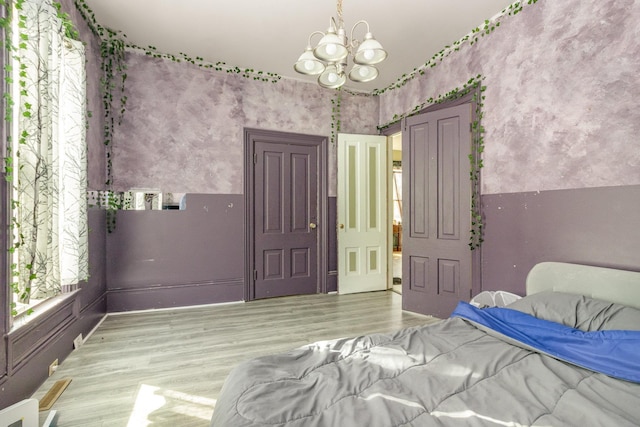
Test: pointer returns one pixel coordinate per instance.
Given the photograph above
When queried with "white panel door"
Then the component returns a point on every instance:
(362, 213)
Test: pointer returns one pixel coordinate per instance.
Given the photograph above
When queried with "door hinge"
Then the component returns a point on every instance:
(255, 158)
(255, 275)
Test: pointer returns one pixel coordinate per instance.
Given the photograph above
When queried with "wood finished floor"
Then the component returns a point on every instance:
(166, 368)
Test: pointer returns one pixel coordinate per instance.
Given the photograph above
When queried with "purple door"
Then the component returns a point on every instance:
(286, 188)
(436, 258)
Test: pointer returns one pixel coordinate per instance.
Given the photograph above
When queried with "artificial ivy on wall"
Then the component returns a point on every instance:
(248, 73)
(335, 116)
(114, 101)
(475, 161)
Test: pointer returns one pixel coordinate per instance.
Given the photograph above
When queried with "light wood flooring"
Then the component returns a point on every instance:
(166, 368)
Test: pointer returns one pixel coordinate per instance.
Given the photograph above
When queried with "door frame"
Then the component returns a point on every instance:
(471, 98)
(390, 202)
(250, 135)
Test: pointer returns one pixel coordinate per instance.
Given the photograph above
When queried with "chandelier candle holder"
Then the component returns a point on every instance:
(329, 58)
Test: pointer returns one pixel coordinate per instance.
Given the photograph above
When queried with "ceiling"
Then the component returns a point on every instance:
(270, 35)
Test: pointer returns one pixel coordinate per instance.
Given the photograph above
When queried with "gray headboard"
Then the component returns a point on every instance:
(606, 284)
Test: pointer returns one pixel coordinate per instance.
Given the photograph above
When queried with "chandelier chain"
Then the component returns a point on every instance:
(339, 7)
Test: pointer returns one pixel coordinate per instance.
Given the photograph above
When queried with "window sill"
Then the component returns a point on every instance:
(40, 309)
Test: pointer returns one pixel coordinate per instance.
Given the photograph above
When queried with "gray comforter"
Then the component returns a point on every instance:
(447, 374)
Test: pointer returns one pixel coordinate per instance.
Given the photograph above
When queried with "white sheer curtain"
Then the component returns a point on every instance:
(49, 150)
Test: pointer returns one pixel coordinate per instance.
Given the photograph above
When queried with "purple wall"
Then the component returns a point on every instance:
(173, 258)
(31, 348)
(595, 226)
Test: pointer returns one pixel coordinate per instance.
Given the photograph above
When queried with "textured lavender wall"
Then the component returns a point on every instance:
(182, 131)
(561, 100)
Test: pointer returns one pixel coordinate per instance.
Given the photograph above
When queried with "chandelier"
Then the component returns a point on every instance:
(328, 58)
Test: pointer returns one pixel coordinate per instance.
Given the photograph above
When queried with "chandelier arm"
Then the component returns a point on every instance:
(354, 42)
(313, 34)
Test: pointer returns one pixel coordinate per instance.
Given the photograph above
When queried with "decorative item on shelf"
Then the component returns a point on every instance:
(328, 58)
(146, 198)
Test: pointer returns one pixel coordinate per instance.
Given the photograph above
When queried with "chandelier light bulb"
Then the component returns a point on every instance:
(331, 49)
(333, 77)
(364, 71)
(308, 64)
(370, 52)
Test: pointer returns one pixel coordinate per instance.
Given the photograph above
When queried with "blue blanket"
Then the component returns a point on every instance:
(615, 353)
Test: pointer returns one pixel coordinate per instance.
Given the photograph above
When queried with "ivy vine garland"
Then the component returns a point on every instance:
(248, 73)
(335, 116)
(113, 67)
(475, 160)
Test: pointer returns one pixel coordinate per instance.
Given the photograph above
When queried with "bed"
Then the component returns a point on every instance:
(567, 354)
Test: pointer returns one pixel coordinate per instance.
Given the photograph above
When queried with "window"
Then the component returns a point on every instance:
(48, 149)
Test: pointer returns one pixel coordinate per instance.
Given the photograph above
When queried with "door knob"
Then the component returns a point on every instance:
(341, 225)
(312, 225)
